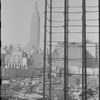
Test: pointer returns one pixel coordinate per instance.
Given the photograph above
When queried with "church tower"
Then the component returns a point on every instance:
(35, 28)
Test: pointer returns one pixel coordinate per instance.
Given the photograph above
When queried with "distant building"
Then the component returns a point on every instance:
(74, 55)
(2, 59)
(32, 48)
(3, 71)
(37, 59)
(24, 59)
(97, 54)
(40, 59)
(14, 58)
(17, 48)
(28, 48)
(3, 54)
(35, 28)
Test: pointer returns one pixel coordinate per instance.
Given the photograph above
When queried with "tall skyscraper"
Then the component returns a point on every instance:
(35, 28)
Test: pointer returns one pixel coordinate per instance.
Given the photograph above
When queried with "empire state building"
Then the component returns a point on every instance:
(35, 28)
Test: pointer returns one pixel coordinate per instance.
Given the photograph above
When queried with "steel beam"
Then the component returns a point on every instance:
(66, 3)
(84, 69)
(50, 64)
(99, 44)
(44, 64)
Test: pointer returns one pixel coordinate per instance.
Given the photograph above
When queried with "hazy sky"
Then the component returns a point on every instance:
(17, 14)
(16, 20)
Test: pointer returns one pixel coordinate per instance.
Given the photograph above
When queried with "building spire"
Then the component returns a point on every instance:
(36, 5)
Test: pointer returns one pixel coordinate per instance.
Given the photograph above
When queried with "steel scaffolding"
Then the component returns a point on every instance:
(84, 56)
(66, 17)
(99, 42)
(49, 43)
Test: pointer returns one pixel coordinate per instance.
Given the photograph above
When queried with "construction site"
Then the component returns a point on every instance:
(67, 65)
(71, 48)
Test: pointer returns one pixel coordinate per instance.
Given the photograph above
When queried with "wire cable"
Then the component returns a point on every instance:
(73, 26)
(76, 7)
(76, 42)
(72, 20)
(73, 12)
(73, 32)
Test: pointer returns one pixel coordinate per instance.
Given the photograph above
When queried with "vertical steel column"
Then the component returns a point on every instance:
(50, 49)
(96, 52)
(1, 44)
(99, 42)
(44, 64)
(65, 49)
(84, 73)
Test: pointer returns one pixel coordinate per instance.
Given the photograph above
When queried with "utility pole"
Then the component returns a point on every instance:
(66, 3)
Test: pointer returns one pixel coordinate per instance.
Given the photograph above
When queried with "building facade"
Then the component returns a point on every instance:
(15, 58)
(35, 28)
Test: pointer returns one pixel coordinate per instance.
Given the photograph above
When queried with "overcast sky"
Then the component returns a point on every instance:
(17, 14)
